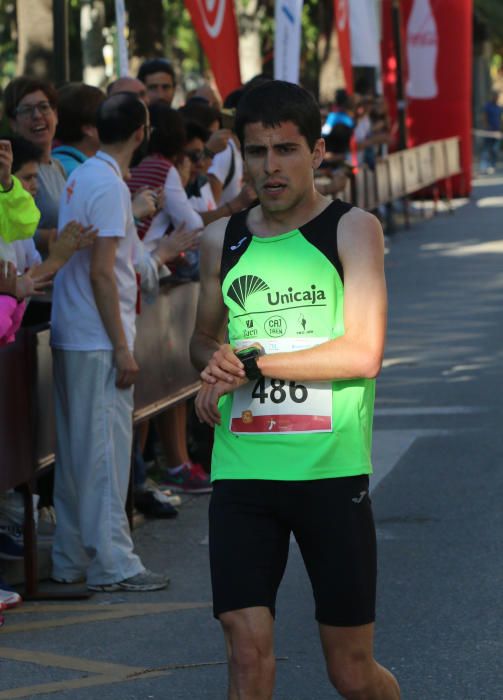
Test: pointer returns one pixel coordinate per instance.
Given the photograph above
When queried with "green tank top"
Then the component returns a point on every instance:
(287, 293)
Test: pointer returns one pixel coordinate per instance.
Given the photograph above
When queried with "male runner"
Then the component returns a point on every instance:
(301, 278)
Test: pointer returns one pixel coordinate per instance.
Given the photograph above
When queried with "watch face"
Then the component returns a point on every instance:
(247, 353)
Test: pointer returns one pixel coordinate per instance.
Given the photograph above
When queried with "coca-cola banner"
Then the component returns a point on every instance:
(341, 13)
(288, 23)
(389, 66)
(215, 24)
(438, 41)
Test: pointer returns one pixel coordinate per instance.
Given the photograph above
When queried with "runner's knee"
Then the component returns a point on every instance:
(352, 676)
(249, 643)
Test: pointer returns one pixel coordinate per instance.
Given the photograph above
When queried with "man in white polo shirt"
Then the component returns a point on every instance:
(93, 330)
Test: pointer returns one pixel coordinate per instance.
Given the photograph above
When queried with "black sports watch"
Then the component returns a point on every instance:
(248, 357)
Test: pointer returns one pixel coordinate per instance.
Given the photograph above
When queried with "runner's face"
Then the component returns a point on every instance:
(280, 164)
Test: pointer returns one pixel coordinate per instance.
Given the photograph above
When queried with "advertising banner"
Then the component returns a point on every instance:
(438, 56)
(341, 14)
(365, 33)
(120, 19)
(288, 22)
(389, 74)
(215, 24)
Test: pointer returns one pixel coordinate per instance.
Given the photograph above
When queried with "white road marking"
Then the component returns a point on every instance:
(389, 446)
(429, 410)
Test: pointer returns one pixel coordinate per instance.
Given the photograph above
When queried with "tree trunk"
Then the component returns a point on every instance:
(146, 21)
(92, 23)
(249, 17)
(331, 74)
(35, 44)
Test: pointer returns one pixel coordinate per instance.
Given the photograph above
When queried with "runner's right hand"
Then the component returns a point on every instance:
(206, 403)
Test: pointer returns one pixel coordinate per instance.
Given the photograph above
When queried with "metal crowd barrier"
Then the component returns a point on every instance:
(27, 429)
(404, 173)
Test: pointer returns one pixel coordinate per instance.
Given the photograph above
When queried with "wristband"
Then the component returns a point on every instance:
(248, 357)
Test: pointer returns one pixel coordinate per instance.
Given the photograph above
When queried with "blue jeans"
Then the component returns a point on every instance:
(490, 151)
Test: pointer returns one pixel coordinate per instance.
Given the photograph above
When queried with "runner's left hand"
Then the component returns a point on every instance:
(223, 366)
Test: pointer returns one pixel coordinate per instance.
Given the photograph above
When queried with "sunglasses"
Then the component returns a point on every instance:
(195, 156)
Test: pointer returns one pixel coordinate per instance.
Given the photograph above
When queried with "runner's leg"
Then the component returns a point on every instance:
(249, 639)
(351, 666)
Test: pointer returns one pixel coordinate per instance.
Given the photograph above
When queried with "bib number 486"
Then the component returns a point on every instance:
(280, 390)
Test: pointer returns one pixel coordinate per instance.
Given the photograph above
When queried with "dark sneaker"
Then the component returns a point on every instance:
(10, 548)
(190, 479)
(154, 504)
(144, 581)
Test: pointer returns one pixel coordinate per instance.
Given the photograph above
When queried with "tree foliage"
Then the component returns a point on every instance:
(491, 13)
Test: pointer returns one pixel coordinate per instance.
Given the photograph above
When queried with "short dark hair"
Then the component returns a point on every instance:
(232, 99)
(77, 107)
(277, 101)
(156, 65)
(342, 98)
(196, 131)
(18, 88)
(168, 134)
(119, 116)
(339, 139)
(200, 112)
(23, 151)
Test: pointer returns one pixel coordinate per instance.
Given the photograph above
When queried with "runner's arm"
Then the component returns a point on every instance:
(359, 351)
(209, 332)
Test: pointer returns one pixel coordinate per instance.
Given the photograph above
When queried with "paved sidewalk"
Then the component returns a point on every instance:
(436, 492)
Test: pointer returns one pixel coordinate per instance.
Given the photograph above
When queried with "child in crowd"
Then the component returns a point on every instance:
(19, 217)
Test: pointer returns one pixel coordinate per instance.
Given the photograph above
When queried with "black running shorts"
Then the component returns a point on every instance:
(250, 525)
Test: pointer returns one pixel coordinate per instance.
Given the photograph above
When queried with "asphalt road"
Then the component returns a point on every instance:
(437, 498)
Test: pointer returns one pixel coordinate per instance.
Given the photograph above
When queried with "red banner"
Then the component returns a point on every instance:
(389, 68)
(341, 8)
(215, 24)
(438, 53)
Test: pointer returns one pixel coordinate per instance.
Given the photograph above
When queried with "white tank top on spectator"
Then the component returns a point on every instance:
(221, 167)
(204, 201)
(177, 210)
(95, 195)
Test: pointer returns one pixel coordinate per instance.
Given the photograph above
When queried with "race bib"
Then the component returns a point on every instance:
(280, 406)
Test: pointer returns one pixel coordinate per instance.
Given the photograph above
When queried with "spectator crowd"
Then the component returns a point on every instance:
(104, 197)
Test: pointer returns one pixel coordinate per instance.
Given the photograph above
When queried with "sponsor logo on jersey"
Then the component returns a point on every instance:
(292, 296)
(245, 286)
(275, 326)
